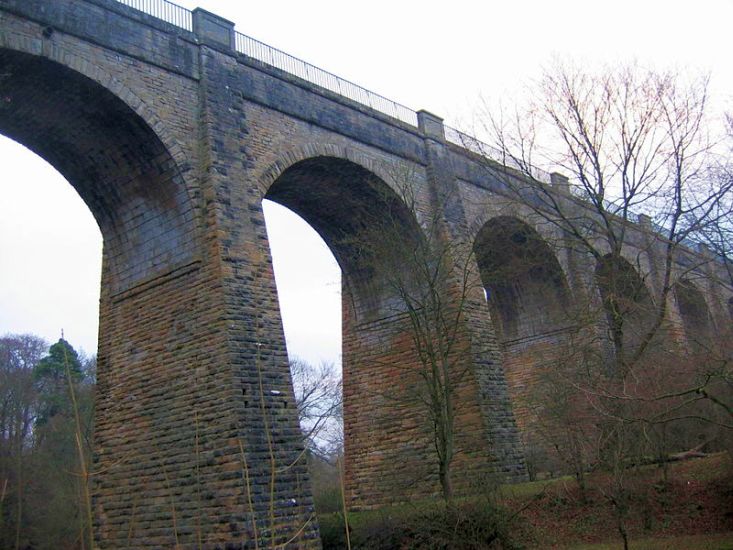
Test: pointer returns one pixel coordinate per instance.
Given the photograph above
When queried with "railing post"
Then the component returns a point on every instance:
(560, 182)
(211, 29)
(430, 125)
(645, 222)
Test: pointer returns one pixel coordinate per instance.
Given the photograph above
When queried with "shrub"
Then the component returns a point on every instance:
(469, 525)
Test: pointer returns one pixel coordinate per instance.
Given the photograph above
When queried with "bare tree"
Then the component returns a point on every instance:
(426, 276)
(629, 142)
(318, 394)
(18, 407)
(633, 142)
(716, 232)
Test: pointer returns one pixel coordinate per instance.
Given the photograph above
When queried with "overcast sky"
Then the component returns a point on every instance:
(439, 56)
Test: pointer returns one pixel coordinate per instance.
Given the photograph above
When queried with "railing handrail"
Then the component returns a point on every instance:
(311, 73)
(479, 147)
(165, 11)
(183, 18)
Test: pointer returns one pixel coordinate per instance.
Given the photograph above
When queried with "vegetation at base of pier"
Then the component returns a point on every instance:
(694, 510)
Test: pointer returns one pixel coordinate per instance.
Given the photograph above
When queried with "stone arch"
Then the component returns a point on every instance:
(353, 209)
(525, 285)
(528, 298)
(110, 154)
(627, 303)
(306, 151)
(694, 313)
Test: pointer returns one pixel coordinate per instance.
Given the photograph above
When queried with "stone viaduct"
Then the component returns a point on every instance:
(173, 129)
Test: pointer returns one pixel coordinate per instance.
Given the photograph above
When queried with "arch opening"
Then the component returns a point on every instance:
(694, 314)
(525, 286)
(528, 301)
(52, 282)
(627, 304)
(309, 293)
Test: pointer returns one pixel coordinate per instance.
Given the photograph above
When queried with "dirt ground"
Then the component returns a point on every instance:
(697, 500)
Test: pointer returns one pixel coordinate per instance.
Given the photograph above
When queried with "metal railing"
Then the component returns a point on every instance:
(297, 67)
(617, 210)
(484, 149)
(162, 9)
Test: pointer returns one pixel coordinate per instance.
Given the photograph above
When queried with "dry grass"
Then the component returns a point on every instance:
(718, 541)
(693, 511)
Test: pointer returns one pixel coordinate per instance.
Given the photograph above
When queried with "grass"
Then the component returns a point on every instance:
(531, 489)
(717, 541)
(693, 511)
(467, 524)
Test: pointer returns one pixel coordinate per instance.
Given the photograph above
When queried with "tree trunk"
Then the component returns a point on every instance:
(446, 484)
(622, 530)
(19, 492)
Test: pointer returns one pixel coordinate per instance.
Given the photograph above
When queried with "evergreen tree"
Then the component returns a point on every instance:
(52, 375)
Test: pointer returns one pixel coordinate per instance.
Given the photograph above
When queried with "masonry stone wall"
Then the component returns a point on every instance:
(173, 140)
